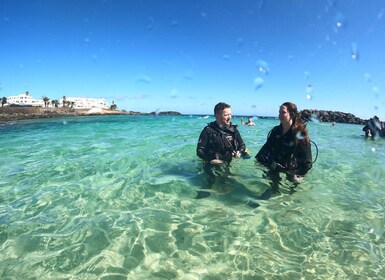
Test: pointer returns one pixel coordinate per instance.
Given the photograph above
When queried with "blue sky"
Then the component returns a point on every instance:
(187, 55)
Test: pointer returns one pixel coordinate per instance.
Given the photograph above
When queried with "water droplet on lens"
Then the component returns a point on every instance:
(226, 57)
(307, 75)
(263, 67)
(143, 79)
(309, 92)
(381, 13)
(368, 77)
(299, 136)
(340, 21)
(376, 91)
(314, 118)
(258, 83)
(355, 54)
(174, 93)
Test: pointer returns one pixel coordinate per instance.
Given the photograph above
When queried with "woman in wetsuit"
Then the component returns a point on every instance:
(288, 147)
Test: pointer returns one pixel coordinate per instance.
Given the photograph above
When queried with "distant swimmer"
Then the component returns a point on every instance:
(249, 122)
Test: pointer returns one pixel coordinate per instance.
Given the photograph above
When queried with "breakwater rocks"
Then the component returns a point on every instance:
(8, 113)
(330, 116)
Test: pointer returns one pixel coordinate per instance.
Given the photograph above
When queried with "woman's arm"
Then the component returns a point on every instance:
(304, 158)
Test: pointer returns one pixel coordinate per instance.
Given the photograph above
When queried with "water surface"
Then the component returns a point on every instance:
(112, 197)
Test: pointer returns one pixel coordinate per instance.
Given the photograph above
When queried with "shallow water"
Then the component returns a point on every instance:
(112, 197)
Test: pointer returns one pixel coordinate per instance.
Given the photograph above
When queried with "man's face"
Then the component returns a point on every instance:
(224, 118)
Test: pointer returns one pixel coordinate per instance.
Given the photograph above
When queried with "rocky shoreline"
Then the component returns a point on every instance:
(21, 113)
(330, 116)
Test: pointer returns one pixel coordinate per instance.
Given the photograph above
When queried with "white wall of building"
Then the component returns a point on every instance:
(25, 99)
(86, 103)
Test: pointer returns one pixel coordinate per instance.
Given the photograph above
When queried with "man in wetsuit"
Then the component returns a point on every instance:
(219, 142)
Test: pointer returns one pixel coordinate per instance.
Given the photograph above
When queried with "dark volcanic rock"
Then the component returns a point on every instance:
(330, 116)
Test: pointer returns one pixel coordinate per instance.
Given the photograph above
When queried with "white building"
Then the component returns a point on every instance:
(85, 103)
(24, 99)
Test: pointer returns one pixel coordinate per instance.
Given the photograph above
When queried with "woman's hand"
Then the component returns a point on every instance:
(237, 154)
(216, 161)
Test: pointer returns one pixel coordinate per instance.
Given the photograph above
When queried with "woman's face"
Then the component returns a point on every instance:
(224, 118)
(284, 115)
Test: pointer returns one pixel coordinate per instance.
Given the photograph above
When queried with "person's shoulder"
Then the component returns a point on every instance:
(276, 128)
(209, 127)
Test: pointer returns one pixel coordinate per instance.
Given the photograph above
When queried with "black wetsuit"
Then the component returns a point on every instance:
(372, 128)
(219, 143)
(283, 149)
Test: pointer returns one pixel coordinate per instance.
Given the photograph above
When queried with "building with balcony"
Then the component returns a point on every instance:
(24, 100)
(84, 103)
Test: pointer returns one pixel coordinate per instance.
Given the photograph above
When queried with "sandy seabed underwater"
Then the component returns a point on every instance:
(113, 197)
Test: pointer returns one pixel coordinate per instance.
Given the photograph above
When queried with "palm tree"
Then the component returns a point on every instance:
(46, 101)
(3, 101)
(55, 103)
(113, 106)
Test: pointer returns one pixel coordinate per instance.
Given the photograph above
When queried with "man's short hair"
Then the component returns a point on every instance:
(218, 109)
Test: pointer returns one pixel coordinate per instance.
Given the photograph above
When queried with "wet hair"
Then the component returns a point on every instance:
(218, 109)
(298, 126)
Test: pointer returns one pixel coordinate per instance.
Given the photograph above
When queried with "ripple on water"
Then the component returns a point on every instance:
(98, 200)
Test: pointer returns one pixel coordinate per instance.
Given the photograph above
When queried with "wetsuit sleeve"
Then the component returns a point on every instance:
(264, 155)
(202, 147)
(304, 158)
(241, 144)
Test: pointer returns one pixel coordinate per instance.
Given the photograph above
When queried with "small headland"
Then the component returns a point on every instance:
(8, 113)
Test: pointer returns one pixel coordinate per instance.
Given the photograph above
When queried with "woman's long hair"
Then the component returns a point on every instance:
(299, 128)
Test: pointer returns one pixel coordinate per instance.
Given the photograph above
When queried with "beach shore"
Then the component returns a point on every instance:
(19, 113)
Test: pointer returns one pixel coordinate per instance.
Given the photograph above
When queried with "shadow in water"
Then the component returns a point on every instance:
(278, 184)
(218, 181)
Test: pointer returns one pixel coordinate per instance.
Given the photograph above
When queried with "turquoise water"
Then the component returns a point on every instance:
(112, 197)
